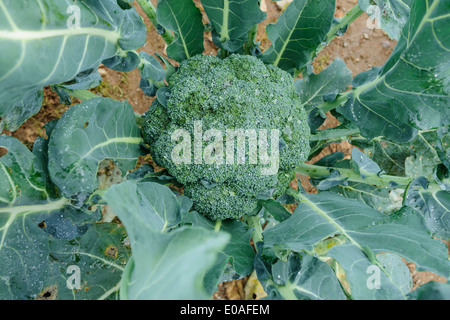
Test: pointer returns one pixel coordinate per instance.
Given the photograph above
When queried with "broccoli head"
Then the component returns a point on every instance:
(231, 131)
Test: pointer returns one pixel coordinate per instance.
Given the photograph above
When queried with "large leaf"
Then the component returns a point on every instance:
(152, 203)
(43, 45)
(413, 159)
(325, 215)
(185, 19)
(380, 199)
(27, 217)
(164, 265)
(299, 278)
(88, 133)
(389, 155)
(231, 20)
(100, 255)
(412, 88)
(391, 279)
(432, 291)
(391, 15)
(319, 218)
(300, 29)
(434, 203)
(236, 260)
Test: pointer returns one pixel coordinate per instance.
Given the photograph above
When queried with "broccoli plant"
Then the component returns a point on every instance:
(224, 144)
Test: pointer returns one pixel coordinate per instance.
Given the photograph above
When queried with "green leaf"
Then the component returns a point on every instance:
(432, 291)
(238, 252)
(170, 68)
(389, 155)
(28, 215)
(300, 29)
(232, 20)
(14, 115)
(125, 4)
(275, 209)
(185, 19)
(150, 68)
(299, 278)
(389, 280)
(164, 265)
(236, 260)
(87, 79)
(21, 175)
(381, 199)
(363, 168)
(363, 164)
(335, 78)
(163, 95)
(413, 159)
(42, 50)
(411, 89)
(324, 215)
(331, 159)
(391, 15)
(317, 219)
(40, 151)
(433, 203)
(425, 157)
(100, 254)
(154, 205)
(443, 145)
(88, 133)
(175, 275)
(125, 61)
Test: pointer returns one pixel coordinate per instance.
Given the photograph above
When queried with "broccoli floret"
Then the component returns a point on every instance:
(155, 122)
(212, 104)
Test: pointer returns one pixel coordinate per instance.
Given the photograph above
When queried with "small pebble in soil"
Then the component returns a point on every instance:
(385, 44)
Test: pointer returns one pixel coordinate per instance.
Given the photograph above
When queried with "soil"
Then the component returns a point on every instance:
(360, 48)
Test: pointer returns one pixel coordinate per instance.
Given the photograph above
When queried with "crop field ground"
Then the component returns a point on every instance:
(360, 48)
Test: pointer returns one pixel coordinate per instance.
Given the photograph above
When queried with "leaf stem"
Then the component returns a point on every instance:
(218, 225)
(334, 134)
(83, 95)
(150, 11)
(328, 106)
(253, 221)
(381, 180)
(250, 44)
(340, 27)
